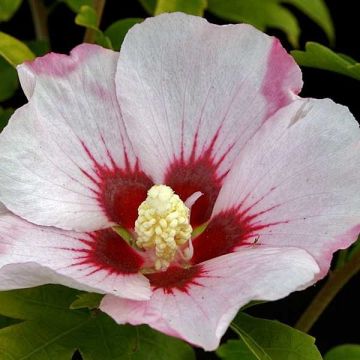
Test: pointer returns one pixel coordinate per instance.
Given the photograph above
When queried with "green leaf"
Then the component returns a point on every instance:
(344, 352)
(345, 255)
(271, 13)
(268, 340)
(193, 7)
(341, 258)
(39, 303)
(116, 32)
(260, 13)
(103, 40)
(13, 50)
(75, 5)
(87, 300)
(5, 116)
(149, 5)
(253, 303)
(5, 321)
(354, 249)
(87, 17)
(236, 350)
(9, 80)
(8, 8)
(127, 342)
(318, 12)
(52, 331)
(31, 341)
(321, 57)
(156, 7)
(38, 47)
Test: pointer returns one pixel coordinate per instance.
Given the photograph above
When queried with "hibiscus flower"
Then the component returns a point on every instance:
(182, 178)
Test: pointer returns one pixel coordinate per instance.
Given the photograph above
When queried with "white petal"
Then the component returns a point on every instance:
(193, 93)
(179, 76)
(65, 155)
(32, 255)
(201, 311)
(297, 181)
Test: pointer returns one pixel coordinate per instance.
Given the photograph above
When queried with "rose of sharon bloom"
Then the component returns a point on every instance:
(193, 145)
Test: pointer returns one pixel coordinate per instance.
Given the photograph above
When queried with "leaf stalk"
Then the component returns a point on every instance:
(40, 18)
(336, 281)
(90, 34)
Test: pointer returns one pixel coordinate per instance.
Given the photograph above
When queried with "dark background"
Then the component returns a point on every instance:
(338, 323)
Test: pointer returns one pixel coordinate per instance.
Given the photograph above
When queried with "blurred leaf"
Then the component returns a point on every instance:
(344, 352)
(321, 57)
(149, 5)
(5, 116)
(193, 7)
(75, 5)
(52, 331)
(253, 303)
(13, 50)
(6, 321)
(271, 13)
(9, 80)
(8, 8)
(318, 12)
(87, 300)
(354, 248)
(116, 32)
(38, 47)
(260, 13)
(267, 340)
(103, 40)
(87, 17)
(237, 350)
(343, 256)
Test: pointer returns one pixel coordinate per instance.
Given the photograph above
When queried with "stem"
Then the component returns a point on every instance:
(40, 17)
(90, 34)
(333, 285)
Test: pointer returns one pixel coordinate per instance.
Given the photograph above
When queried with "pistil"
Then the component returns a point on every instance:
(163, 224)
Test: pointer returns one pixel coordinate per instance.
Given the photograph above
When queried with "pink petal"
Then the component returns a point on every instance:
(101, 261)
(201, 309)
(66, 160)
(296, 183)
(193, 93)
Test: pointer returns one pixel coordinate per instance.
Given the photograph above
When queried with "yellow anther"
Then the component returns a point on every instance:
(163, 224)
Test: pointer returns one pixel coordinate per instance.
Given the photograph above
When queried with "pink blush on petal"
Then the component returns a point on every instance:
(108, 251)
(60, 65)
(275, 82)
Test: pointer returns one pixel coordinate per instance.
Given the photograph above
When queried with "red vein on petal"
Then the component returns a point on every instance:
(118, 191)
(198, 173)
(226, 231)
(176, 277)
